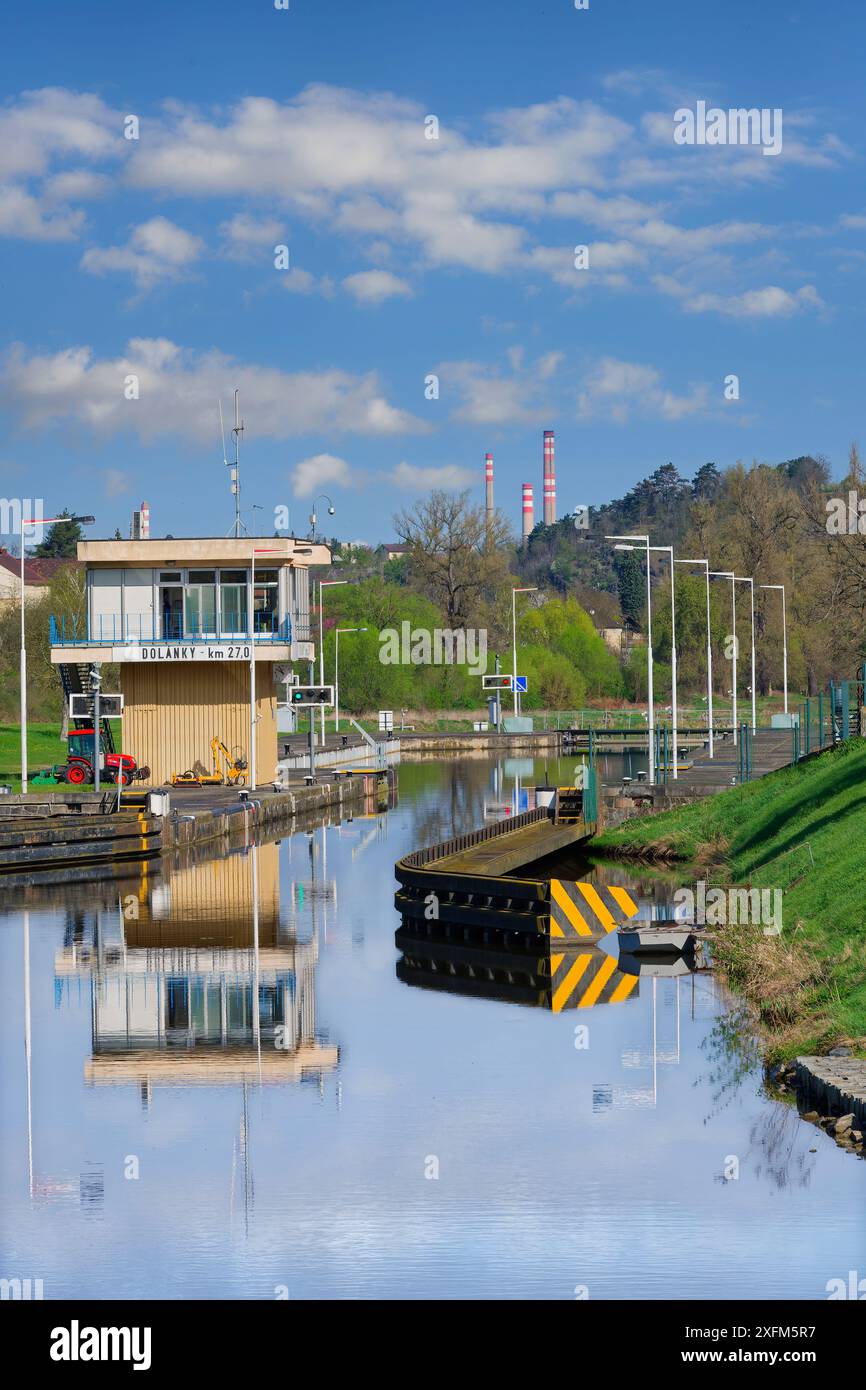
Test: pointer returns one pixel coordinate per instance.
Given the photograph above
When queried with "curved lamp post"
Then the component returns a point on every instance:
(644, 541)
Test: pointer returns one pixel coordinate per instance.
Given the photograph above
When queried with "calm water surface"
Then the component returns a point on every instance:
(166, 1146)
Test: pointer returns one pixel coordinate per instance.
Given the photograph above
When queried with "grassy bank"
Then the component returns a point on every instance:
(45, 748)
(802, 830)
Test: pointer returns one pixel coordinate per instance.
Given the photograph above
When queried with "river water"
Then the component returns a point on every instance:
(362, 1134)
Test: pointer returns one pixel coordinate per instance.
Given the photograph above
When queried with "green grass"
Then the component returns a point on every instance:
(803, 830)
(45, 748)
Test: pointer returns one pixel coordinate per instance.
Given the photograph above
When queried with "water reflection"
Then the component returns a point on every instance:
(150, 1005)
(194, 980)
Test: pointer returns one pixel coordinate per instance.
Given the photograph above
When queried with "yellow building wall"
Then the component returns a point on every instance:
(172, 710)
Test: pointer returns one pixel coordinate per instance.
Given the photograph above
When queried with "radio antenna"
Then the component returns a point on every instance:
(235, 475)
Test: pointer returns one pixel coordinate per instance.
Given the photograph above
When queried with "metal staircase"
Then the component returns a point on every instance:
(75, 679)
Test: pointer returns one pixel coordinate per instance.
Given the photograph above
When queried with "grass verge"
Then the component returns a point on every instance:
(801, 830)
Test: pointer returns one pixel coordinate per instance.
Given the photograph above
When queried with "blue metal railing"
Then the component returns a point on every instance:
(113, 629)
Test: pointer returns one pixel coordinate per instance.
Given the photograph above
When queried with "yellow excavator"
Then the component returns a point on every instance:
(234, 774)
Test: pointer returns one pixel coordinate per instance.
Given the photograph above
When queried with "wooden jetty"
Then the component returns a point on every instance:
(483, 887)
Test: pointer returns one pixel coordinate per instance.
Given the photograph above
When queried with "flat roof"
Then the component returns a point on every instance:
(200, 550)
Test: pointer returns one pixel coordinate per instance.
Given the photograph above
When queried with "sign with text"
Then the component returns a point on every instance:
(189, 651)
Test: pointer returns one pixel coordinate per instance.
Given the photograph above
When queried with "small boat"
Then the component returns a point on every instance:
(656, 938)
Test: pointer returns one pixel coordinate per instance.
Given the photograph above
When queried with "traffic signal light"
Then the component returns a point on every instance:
(311, 695)
(495, 682)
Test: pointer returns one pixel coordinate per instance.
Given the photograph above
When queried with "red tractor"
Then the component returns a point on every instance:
(115, 767)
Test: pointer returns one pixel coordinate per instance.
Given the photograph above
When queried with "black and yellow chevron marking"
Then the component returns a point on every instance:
(580, 979)
(579, 912)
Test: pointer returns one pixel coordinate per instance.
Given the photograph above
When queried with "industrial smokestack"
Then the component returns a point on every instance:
(528, 521)
(140, 528)
(488, 481)
(549, 512)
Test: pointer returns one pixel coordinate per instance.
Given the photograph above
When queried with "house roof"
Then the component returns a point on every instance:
(36, 570)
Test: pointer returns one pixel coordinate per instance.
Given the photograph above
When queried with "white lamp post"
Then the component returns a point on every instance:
(729, 574)
(706, 566)
(262, 550)
(25, 522)
(738, 579)
(514, 592)
(644, 541)
(781, 589)
(324, 584)
(337, 672)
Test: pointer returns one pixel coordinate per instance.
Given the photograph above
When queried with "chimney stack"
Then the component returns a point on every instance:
(549, 512)
(528, 521)
(488, 481)
(140, 528)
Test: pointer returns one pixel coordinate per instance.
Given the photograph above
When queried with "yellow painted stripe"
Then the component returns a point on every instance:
(628, 905)
(555, 929)
(598, 906)
(570, 909)
(598, 984)
(564, 991)
(624, 988)
(555, 963)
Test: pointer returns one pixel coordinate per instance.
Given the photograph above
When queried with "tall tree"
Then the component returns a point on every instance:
(61, 540)
(457, 557)
(631, 581)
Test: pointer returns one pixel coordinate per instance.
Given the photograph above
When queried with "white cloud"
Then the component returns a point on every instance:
(490, 396)
(412, 477)
(312, 474)
(375, 286)
(770, 301)
(179, 390)
(156, 250)
(22, 215)
(116, 482)
(244, 237)
(618, 389)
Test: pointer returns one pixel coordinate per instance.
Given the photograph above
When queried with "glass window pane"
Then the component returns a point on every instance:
(233, 607)
(233, 576)
(202, 576)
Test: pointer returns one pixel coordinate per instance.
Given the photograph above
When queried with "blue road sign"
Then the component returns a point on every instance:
(520, 684)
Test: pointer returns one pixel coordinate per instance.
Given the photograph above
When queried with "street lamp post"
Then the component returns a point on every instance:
(337, 672)
(738, 579)
(669, 550)
(706, 566)
(261, 550)
(729, 574)
(781, 589)
(644, 541)
(331, 510)
(25, 522)
(324, 584)
(514, 592)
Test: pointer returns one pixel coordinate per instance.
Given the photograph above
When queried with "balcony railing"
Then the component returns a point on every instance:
(113, 629)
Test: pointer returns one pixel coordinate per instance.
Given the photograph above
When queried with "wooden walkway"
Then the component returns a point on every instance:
(513, 849)
(771, 749)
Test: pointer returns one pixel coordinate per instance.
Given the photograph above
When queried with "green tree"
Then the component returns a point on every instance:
(61, 540)
(630, 578)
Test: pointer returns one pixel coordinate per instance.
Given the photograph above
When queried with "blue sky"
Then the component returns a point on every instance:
(154, 257)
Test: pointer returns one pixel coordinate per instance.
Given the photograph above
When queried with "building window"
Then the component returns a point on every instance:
(266, 603)
(201, 603)
(233, 603)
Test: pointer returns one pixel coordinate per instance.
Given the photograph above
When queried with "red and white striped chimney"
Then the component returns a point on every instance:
(549, 511)
(528, 521)
(145, 521)
(488, 481)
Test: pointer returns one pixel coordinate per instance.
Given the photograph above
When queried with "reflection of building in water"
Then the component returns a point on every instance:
(193, 981)
(639, 1057)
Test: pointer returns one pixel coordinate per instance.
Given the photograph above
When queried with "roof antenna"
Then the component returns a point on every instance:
(237, 431)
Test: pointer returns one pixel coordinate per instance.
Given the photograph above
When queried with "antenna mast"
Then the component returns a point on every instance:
(237, 431)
